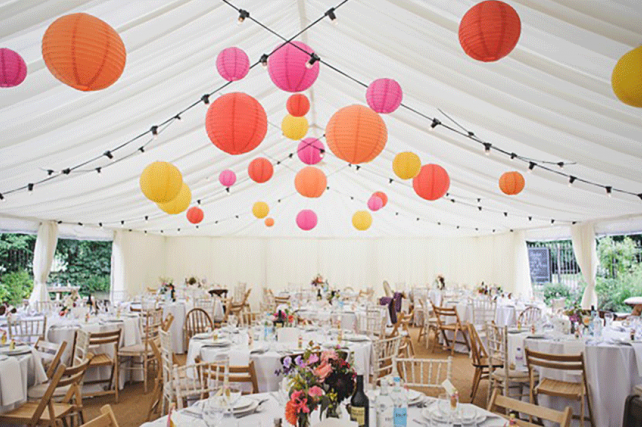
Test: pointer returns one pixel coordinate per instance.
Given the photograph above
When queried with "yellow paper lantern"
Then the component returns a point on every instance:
(294, 127)
(180, 202)
(406, 165)
(260, 210)
(626, 79)
(362, 220)
(161, 182)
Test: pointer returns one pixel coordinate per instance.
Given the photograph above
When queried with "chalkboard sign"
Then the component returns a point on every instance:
(540, 264)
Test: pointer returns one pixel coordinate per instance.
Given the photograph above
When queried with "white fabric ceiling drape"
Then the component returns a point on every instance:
(585, 249)
(42, 259)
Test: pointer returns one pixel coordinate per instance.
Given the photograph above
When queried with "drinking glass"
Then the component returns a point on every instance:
(213, 412)
(608, 318)
(232, 321)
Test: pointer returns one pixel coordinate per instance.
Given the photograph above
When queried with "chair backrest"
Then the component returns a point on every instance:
(27, 331)
(529, 316)
(384, 351)
(279, 300)
(73, 378)
(442, 314)
(51, 352)
(206, 303)
(46, 401)
(478, 351)
(236, 374)
(152, 320)
(81, 347)
(195, 388)
(497, 401)
(560, 362)
(106, 338)
(483, 310)
(425, 373)
(107, 419)
(197, 321)
(239, 291)
(167, 362)
(497, 344)
(46, 306)
(386, 289)
(374, 323)
(167, 323)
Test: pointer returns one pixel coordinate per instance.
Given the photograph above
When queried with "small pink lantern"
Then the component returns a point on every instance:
(311, 151)
(13, 68)
(375, 203)
(232, 64)
(384, 95)
(227, 178)
(306, 220)
(288, 67)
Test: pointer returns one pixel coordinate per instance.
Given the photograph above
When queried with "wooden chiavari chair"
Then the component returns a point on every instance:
(529, 316)
(27, 331)
(501, 374)
(157, 393)
(384, 351)
(427, 375)
(483, 311)
(236, 374)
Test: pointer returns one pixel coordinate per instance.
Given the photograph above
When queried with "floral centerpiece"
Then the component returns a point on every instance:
(283, 317)
(69, 302)
(575, 314)
(440, 282)
(193, 281)
(333, 296)
(316, 380)
(318, 280)
(165, 283)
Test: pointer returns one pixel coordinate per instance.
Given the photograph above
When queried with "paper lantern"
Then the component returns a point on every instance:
(287, 67)
(511, 183)
(310, 151)
(356, 134)
(362, 220)
(232, 64)
(236, 123)
(260, 170)
(294, 127)
(382, 196)
(260, 210)
(306, 220)
(310, 182)
(179, 203)
(83, 52)
(13, 68)
(269, 222)
(195, 215)
(161, 182)
(227, 178)
(489, 30)
(626, 78)
(406, 165)
(432, 182)
(384, 95)
(375, 203)
(298, 105)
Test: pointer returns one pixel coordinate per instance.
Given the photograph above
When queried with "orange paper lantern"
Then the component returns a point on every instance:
(382, 196)
(236, 123)
(269, 222)
(195, 215)
(489, 30)
(511, 183)
(298, 105)
(260, 170)
(432, 182)
(310, 182)
(356, 134)
(83, 52)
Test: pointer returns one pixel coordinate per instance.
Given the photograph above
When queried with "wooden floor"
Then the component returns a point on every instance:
(132, 408)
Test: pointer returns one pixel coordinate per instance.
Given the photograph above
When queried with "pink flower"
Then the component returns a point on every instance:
(299, 402)
(328, 355)
(315, 391)
(323, 370)
(313, 359)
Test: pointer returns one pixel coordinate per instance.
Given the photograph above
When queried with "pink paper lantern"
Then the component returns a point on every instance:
(384, 95)
(306, 220)
(375, 203)
(311, 151)
(288, 70)
(227, 178)
(232, 64)
(13, 68)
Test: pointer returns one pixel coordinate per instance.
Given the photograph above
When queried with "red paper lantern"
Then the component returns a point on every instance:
(356, 134)
(236, 123)
(432, 182)
(489, 30)
(310, 182)
(382, 196)
(269, 222)
(512, 183)
(13, 68)
(83, 52)
(260, 170)
(298, 105)
(195, 215)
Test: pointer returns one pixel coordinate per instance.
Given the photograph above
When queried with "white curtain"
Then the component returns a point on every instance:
(523, 284)
(585, 249)
(42, 259)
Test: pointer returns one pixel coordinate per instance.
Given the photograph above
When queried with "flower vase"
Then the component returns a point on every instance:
(333, 412)
(303, 421)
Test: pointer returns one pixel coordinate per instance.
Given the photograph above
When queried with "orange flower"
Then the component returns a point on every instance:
(323, 370)
(290, 413)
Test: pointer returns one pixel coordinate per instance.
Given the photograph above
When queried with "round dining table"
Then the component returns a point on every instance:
(19, 369)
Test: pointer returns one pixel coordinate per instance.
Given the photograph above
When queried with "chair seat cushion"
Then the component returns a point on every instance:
(560, 388)
(37, 391)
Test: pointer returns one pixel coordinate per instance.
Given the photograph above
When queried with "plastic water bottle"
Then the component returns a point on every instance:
(591, 325)
(400, 401)
(384, 406)
(519, 359)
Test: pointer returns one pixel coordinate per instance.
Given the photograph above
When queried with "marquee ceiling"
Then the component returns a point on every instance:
(550, 99)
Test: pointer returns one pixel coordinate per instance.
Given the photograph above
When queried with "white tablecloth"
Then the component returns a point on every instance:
(30, 372)
(612, 373)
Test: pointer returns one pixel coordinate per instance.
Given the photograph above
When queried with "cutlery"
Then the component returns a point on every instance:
(421, 423)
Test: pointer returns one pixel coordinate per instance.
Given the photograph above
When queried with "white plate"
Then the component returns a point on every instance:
(433, 412)
(356, 338)
(218, 343)
(203, 336)
(414, 396)
(21, 349)
(242, 404)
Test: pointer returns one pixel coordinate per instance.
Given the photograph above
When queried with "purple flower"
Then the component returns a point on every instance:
(299, 361)
(287, 362)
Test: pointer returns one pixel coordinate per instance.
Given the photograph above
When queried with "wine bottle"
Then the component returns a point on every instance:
(359, 405)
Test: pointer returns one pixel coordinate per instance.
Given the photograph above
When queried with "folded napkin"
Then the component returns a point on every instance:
(41, 375)
(637, 346)
(11, 387)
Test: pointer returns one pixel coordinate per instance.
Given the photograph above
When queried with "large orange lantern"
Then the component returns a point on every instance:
(356, 134)
(83, 52)
(195, 215)
(236, 123)
(310, 182)
(298, 105)
(489, 30)
(260, 170)
(511, 183)
(432, 182)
